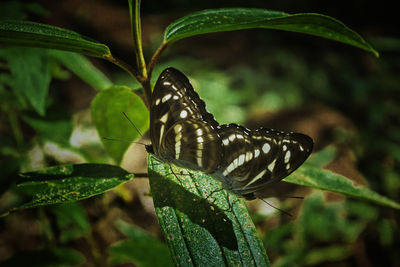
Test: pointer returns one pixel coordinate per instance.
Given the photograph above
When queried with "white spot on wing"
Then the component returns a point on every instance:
(256, 153)
(249, 155)
(225, 141)
(178, 137)
(287, 156)
(161, 133)
(200, 139)
(177, 149)
(199, 154)
(157, 101)
(177, 128)
(166, 98)
(232, 137)
(266, 148)
(164, 118)
(271, 166)
(259, 176)
(235, 163)
(241, 159)
(229, 169)
(183, 114)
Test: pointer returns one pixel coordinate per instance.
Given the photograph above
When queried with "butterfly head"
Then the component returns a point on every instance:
(149, 149)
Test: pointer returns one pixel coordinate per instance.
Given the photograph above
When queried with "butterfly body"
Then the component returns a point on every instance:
(184, 133)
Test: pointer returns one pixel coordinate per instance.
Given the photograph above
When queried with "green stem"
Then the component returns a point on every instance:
(134, 12)
(129, 69)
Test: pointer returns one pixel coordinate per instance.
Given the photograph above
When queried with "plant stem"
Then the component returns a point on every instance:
(129, 69)
(134, 12)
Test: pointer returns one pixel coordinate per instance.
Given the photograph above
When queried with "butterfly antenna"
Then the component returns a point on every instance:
(126, 116)
(283, 211)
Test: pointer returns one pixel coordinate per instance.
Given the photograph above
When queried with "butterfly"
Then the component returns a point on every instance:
(184, 133)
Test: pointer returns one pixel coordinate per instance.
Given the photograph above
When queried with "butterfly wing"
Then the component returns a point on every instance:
(181, 127)
(253, 159)
(184, 133)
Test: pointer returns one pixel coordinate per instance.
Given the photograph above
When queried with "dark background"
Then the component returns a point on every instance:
(339, 95)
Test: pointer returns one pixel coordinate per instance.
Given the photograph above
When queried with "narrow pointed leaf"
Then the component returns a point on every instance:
(27, 33)
(308, 175)
(230, 19)
(203, 225)
(82, 68)
(71, 182)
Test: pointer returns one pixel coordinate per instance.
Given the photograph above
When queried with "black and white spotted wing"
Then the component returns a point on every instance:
(182, 132)
(181, 129)
(253, 159)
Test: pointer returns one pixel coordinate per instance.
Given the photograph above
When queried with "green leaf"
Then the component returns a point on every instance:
(27, 33)
(230, 19)
(30, 71)
(323, 157)
(198, 231)
(70, 182)
(56, 126)
(72, 221)
(82, 68)
(308, 175)
(107, 115)
(141, 248)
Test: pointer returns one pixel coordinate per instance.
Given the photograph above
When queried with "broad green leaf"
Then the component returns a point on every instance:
(82, 68)
(46, 257)
(345, 219)
(107, 113)
(230, 19)
(203, 225)
(323, 157)
(308, 175)
(55, 126)
(30, 70)
(27, 33)
(70, 182)
(72, 220)
(141, 248)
